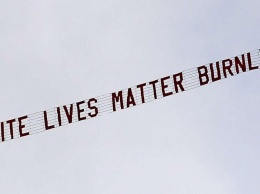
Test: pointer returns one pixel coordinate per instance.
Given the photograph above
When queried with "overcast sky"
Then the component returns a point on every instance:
(55, 52)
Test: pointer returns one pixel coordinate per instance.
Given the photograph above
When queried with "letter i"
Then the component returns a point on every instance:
(2, 132)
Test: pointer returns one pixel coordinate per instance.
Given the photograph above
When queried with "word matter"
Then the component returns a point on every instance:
(130, 97)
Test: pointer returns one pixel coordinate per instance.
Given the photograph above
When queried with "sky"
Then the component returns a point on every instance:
(55, 52)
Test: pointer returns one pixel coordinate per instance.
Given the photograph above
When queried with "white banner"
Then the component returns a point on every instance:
(130, 97)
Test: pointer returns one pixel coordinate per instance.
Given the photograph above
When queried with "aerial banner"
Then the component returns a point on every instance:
(142, 93)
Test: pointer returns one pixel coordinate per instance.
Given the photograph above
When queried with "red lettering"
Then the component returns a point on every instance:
(116, 98)
(178, 82)
(154, 88)
(10, 122)
(2, 131)
(21, 126)
(93, 107)
(227, 67)
(164, 86)
(141, 86)
(69, 114)
(250, 62)
(240, 64)
(218, 77)
(79, 110)
(203, 74)
(130, 98)
(59, 116)
(47, 127)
